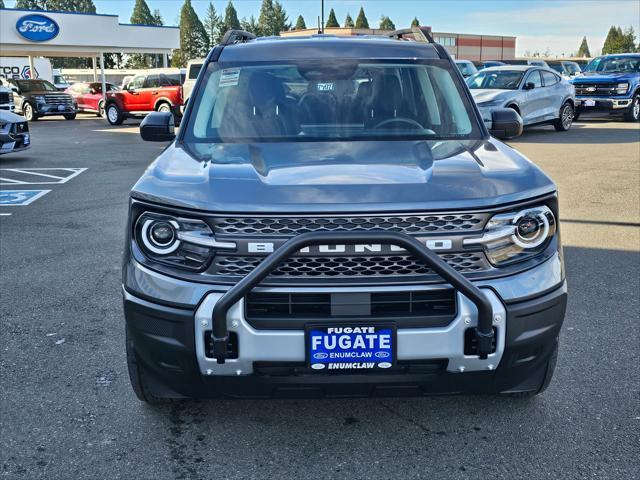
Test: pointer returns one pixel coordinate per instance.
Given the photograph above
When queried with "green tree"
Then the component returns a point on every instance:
(613, 41)
(212, 22)
(386, 23)
(281, 18)
(157, 18)
(30, 4)
(361, 21)
(415, 22)
(1, 4)
(300, 25)
(267, 18)
(332, 21)
(141, 14)
(230, 21)
(348, 22)
(628, 41)
(583, 51)
(194, 40)
(250, 25)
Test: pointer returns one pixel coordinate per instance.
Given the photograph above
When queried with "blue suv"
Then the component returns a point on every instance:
(610, 83)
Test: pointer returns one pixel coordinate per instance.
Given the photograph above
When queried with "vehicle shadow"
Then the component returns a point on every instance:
(410, 437)
(582, 132)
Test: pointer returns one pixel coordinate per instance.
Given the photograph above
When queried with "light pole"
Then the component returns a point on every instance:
(322, 16)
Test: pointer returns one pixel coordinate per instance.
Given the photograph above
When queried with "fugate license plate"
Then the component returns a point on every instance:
(336, 348)
(589, 103)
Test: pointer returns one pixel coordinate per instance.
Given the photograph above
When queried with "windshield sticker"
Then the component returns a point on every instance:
(326, 87)
(229, 77)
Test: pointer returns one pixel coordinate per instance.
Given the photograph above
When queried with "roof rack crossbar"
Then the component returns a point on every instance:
(420, 34)
(236, 36)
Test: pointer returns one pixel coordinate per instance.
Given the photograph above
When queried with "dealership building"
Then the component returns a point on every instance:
(462, 46)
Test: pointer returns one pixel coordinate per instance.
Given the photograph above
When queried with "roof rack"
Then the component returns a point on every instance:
(418, 34)
(236, 36)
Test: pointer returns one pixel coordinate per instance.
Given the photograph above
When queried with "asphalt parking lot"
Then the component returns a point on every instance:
(67, 410)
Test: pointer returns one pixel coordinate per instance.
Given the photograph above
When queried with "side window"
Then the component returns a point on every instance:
(194, 70)
(549, 78)
(534, 77)
(137, 82)
(152, 81)
(171, 80)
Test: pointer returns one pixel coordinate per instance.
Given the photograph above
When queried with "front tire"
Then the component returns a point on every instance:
(114, 114)
(100, 110)
(29, 113)
(139, 377)
(565, 118)
(633, 113)
(69, 116)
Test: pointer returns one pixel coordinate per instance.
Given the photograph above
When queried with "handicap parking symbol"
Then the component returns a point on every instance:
(17, 198)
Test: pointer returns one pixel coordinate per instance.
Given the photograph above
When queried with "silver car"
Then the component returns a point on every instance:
(538, 94)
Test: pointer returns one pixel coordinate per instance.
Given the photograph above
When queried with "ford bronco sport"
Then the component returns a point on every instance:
(334, 219)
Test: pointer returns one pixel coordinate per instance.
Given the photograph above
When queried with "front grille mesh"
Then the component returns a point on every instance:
(289, 226)
(596, 89)
(336, 266)
(54, 99)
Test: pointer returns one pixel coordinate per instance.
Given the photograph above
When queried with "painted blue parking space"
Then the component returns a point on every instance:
(20, 198)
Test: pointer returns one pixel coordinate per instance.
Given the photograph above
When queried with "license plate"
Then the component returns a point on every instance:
(335, 348)
(61, 108)
(27, 139)
(589, 103)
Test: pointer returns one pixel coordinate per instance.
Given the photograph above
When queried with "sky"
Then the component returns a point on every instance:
(556, 26)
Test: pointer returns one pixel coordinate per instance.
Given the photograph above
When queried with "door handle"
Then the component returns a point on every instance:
(154, 93)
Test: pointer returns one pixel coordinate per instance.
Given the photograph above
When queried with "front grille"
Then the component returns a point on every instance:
(261, 305)
(290, 226)
(6, 97)
(58, 99)
(596, 89)
(342, 266)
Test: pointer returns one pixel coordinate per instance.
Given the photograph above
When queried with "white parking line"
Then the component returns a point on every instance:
(25, 176)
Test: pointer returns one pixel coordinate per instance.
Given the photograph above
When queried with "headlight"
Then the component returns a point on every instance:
(622, 88)
(515, 236)
(176, 241)
(40, 99)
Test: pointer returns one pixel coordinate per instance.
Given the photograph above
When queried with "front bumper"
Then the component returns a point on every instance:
(585, 103)
(43, 109)
(528, 314)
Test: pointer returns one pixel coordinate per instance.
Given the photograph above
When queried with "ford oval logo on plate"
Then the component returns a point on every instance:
(37, 28)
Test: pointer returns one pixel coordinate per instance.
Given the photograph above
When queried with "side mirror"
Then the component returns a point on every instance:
(505, 123)
(92, 91)
(529, 86)
(158, 127)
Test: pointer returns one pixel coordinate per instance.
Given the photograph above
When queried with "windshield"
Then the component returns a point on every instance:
(466, 68)
(496, 79)
(342, 100)
(35, 86)
(614, 64)
(59, 79)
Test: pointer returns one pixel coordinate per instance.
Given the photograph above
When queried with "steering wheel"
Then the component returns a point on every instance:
(409, 121)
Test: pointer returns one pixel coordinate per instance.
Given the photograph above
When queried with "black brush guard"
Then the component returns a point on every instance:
(484, 330)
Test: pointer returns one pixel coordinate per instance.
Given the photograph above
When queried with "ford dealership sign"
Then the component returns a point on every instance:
(37, 28)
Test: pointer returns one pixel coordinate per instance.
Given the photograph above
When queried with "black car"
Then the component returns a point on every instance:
(335, 219)
(14, 133)
(39, 98)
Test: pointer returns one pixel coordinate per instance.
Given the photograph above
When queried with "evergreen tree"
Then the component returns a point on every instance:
(348, 22)
(230, 21)
(281, 18)
(157, 18)
(628, 41)
(386, 23)
(250, 25)
(583, 51)
(613, 41)
(141, 14)
(1, 4)
(415, 22)
(30, 4)
(332, 21)
(266, 19)
(212, 23)
(300, 25)
(361, 21)
(194, 40)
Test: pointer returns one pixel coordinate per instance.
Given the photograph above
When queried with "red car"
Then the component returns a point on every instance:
(89, 96)
(152, 91)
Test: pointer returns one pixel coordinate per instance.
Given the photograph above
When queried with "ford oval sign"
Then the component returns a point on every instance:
(37, 28)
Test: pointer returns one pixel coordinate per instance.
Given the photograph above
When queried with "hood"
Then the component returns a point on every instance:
(362, 176)
(483, 95)
(596, 77)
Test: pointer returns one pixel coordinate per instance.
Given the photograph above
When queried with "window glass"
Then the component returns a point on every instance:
(496, 79)
(549, 78)
(152, 81)
(194, 70)
(621, 63)
(348, 99)
(137, 82)
(534, 77)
